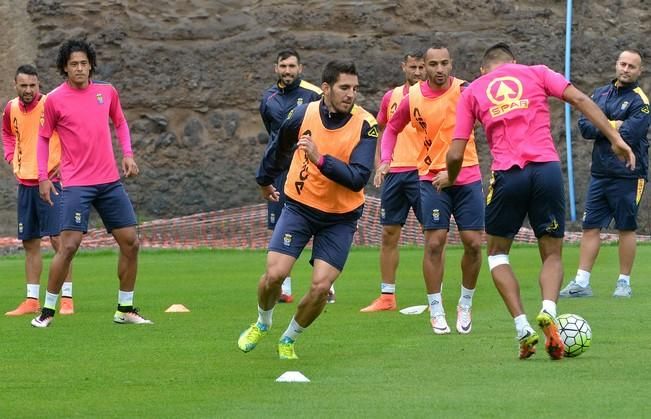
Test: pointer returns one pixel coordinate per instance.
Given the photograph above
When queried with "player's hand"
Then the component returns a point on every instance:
(270, 193)
(380, 173)
(129, 167)
(45, 188)
(306, 144)
(56, 172)
(624, 153)
(441, 180)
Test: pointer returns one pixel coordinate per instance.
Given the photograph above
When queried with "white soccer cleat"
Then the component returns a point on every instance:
(574, 290)
(440, 325)
(622, 289)
(42, 320)
(464, 319)
(332, 297)
(130, 317)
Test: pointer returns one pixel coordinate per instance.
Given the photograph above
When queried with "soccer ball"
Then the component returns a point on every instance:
(576, 334)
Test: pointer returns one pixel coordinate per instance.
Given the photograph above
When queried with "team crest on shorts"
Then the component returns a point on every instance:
(624, 105)
(287, 239)
(77, 217)
(20, 227)
(553, 226)
(383, 213)
(100, 98)
(436, 214)
(272, 218)
(299, 101)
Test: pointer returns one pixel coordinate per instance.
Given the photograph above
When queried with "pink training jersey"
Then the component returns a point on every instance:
(9, 138)
(81, 117)
(383, 113)
(511, 104)
(383, 119)
(399, 121)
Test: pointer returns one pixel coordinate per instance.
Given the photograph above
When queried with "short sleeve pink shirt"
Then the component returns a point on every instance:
(511, 104)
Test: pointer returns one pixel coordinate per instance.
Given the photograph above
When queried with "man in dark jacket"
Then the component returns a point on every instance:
(615, 191)
(277, 101)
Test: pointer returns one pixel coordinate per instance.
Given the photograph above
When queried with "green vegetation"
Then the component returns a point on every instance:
(360, 365)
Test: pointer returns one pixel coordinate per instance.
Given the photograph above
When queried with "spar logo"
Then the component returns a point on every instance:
(506, 94)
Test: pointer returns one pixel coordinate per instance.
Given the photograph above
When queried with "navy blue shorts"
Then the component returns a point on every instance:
(109, 199)
(333, 235)
(400, 193)
(464, 202)
(275, 208)
(536, 191)
(611, 198)
(36, 218)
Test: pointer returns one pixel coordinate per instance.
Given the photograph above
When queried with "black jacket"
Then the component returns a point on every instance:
(278, 101)
(629, 104)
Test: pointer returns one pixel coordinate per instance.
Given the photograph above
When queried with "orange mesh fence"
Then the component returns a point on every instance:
(245, 227)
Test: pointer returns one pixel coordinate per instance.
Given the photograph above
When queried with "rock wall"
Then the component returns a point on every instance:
(18, 45)
(191, 73)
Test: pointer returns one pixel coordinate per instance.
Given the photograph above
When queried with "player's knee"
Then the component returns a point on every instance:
(497, 260)
(275, 274)
(390, 235)
(34, 246)
(320, 289)
(68, 248)
(473, 247)
(434, 246)
(131, 245)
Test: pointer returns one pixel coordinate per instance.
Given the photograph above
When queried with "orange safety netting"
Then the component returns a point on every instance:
(245, 227)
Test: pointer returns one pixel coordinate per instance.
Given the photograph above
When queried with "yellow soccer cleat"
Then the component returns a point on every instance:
(528, 343)
(251, 336)
(286, 349)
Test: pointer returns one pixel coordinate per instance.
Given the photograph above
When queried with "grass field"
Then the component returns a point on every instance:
(360, 365)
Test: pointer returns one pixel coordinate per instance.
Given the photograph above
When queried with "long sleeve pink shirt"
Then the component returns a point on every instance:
(383, 119)
(399, 121)
(81, 118)
(9, 140)
(383, 113)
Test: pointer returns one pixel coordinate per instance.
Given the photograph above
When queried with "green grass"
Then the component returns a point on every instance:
(360, 365)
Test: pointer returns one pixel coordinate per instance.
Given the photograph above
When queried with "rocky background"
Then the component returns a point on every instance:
(191, 72)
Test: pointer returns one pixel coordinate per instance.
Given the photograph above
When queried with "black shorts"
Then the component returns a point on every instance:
(535, 191)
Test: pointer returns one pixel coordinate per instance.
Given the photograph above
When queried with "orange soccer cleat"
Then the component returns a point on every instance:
(386, 302)
(285, 298)
(553, 343)
(29, 306)
(67, 306)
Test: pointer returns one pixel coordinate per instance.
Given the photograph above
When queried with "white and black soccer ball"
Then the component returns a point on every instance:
(576, 334)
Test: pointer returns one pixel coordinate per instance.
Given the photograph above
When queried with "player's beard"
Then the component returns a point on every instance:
(27, 99)
(288, 79)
